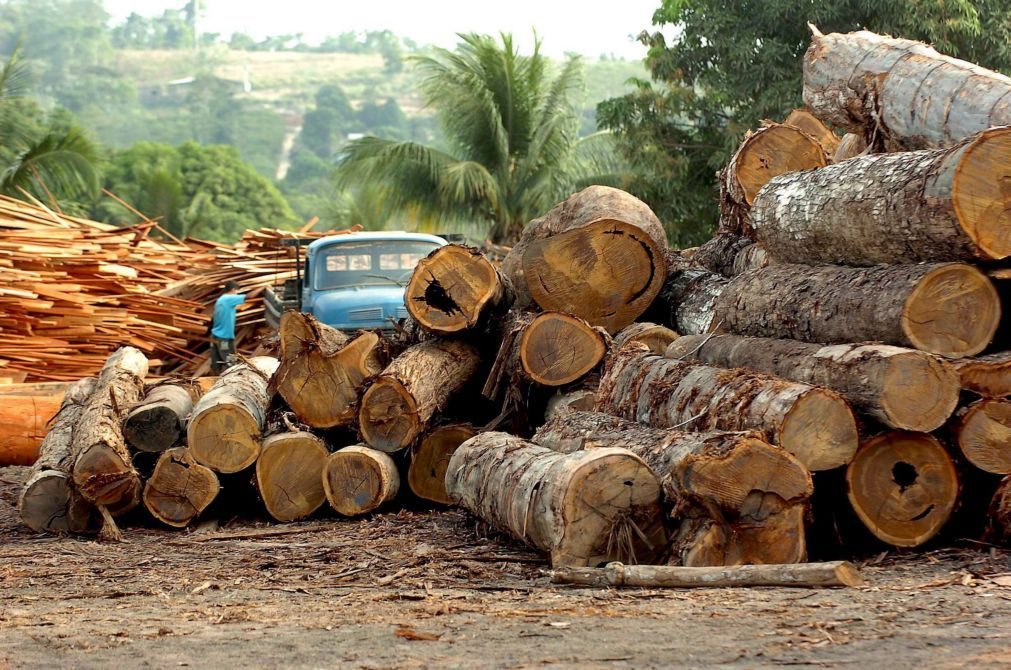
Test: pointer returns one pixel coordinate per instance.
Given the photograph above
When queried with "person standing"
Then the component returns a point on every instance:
(223, 327)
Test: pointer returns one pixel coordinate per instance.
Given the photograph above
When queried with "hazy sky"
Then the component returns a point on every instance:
(590, 28)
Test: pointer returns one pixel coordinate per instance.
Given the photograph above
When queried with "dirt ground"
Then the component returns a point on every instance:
(421, 589)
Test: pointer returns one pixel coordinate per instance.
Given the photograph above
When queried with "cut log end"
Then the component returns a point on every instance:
(389, 416)
(953, 311)
(427, 473)
(903, 487)
(773, 151)
(49, 504)
(557, 349)
(103, 478)
(654, 336)
(289, 475)
(156, 430)
(358, 480)
(179, 489)
(919, 392)
(820, 430)
(803, 120)
(983, 434)
(982, 192)
(988, 376)
(226, 440)
(450, 289)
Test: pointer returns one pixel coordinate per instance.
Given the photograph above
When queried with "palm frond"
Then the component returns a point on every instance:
(14, 75)
(62, 164)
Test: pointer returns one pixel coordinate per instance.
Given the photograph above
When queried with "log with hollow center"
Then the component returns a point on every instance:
(289, 474)
(426, 474)
(982, 432)
(158, 422)
(358, 480)
(179, 489)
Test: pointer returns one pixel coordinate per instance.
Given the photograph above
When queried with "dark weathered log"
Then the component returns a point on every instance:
(814, 424)
(804, 575)
(103, 470)
(988, 376)
(999, 528)
(851, 146)
(49, 503)
(598, 255)
(982, 431)
(656, 337)
(730, 255)
(934, 205)
(289, 474)
(805, 121)
(358, 479)
(903, 388)
(226, 427)
(584, 508)
(426, 474)
(158, 422)
(901, 92)
(179, 489)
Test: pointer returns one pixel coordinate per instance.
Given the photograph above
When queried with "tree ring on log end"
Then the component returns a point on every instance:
(820, 430)
(984, 436)
(388, 418)
(773, 151)
(919, 392)
(981, 192)
(450, 288)
(953, 311)
(903, 486)
(180, 488)
(49, 491)
(357, 480)
(226, 440)
(556, 349)
(426, 475)
(103, 478)
(289, 475)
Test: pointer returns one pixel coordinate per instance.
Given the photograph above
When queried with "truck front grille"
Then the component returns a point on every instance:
(401, 312)
(370, 314)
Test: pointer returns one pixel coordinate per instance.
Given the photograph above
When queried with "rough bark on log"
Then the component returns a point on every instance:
(687, 302)
(903, 486)
(982, 432)
(903, 388)
(358, 480)
(322, 370)
(901, 92)
(814, 424)
(598, 255)
(851, 146)
(585, 508)
(226, 426)
(426, 474)
(804, 575)
(179, 489)
(988, 376)
(729, 255)
(999, 528)
(289, 474)
(103, 470)
(405, 397)
(656, 337)
(805, 121)
(158, 422)
(934, 205)
(49, 503)
(454, 289)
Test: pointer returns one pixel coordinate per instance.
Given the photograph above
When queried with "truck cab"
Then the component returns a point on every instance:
(354, 281)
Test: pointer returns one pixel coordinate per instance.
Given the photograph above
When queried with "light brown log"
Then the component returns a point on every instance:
(903, 487)
(426, 474)
(999, 527)
(814, 424)
(225, 430)
(454, 289)
(982, 432)
(770, 151)
(656, 337)
(904, 91)
(805, 121)
(730, 255)
(934, 205)
(322, 370)
(804, 575)
(988, 375)
(289, 474)
(358, 480)
(557, 349)
(580, 400)
(23, 421)
(48, 502)
(584, 508)
(405, 397)
(598, 255)
(103, 470)
(780, 538)
(158, 422)
(902, 388)
(179, 489)
(851, 146)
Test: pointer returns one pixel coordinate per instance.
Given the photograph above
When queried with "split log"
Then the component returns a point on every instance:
(103, 470)
(988, 376)
(322, 370)
(158, 422)
(935, 205)
(982, 432)
(730, 255)
(179, 489)
(734, 480)
(454, 289)
(49, 503)
(585, 508)
(814, 424)
(999, 527)
(805, 121)
(598, 255)
(903, 487)
(358, 479)
(405, 397)
(225, 429)
(656, 337)
(804, 575)
(904, 91)
(426, 474)
(770, 151)
(903, 388)
(851, 146)
(289, 474)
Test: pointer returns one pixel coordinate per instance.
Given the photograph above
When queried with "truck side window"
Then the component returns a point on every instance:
(305, 274)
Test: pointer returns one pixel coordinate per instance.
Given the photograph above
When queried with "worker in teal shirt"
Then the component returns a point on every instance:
(223, 327)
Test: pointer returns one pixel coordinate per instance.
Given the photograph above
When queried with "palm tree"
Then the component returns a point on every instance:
(512, 132)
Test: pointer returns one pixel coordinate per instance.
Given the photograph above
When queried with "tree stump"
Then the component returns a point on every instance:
(289, 474)
(179, 489)
(426, 474)
(358, 480)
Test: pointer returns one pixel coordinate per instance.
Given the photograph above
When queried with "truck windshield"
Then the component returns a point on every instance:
(369, 263)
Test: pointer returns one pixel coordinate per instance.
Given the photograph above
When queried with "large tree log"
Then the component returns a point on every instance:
(289, 474)
(23, 423)
(358, 480)
(903, 487)
(179, 489)
(426, 474)
(225, 429)
(803, 575)
(735, 480)
(158, 422)
(584, 508)
(556, 349)
(729, 255)
(988, 376)
(103, 470)
(402, 401)
(814, 424)
(598, 255)
(903, 388)
(456, 288)
(322, 370)
(49, 502)
(999, 528)
(935, 205)
(982, 432)
(656, 337)
(901, 91)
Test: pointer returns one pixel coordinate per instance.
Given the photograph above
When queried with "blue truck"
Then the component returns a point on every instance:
(354, 281)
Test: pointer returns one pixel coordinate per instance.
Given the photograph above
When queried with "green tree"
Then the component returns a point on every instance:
(325, 127)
